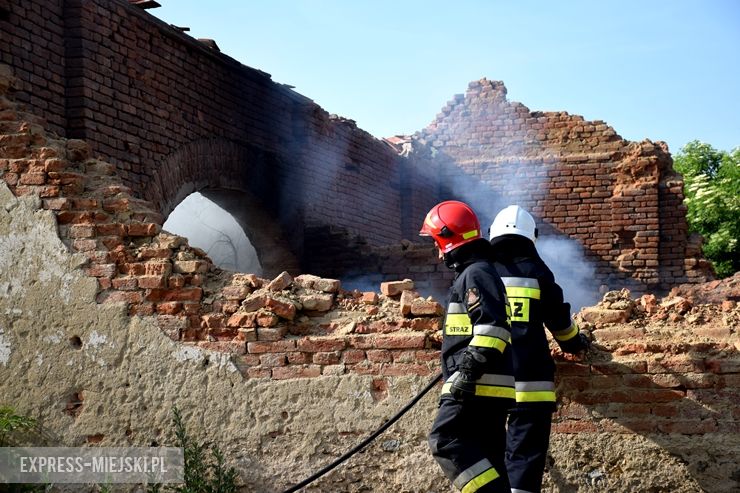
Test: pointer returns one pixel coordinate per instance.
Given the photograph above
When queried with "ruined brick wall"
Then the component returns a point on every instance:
(32, 41)
(621, 200)
(175, 116)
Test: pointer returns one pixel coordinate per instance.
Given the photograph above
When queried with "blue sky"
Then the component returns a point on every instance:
(656, 69)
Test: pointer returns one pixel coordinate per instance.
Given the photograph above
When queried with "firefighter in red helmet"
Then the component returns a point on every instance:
(468, 437)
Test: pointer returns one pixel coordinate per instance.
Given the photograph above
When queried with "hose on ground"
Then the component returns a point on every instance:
(367, 440)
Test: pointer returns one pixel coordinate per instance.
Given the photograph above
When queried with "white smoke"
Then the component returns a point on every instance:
(573, 272)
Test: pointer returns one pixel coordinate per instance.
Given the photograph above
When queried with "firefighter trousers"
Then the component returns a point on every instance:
(527, 441)
(468, 440)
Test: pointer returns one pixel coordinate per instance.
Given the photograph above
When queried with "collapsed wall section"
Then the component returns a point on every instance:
(621, 200)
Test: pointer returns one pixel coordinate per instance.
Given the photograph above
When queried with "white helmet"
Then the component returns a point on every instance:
(513, 220)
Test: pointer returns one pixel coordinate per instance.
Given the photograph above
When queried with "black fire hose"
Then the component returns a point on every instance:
(369, 439)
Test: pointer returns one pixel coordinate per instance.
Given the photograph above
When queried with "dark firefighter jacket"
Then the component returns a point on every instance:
(477, 320)
(535, 300)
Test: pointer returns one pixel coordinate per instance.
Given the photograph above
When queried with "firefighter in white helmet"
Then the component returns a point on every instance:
(536, 301)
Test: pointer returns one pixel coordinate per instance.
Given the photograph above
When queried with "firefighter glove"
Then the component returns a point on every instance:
(463, 386)
(473, 363)
(579, 343)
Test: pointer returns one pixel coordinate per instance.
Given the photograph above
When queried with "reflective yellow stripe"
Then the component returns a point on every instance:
(490, 342)
(487, 391)
(479, 481)
(492, 391)
(567, 334)
(536, 396)
(458, 324)
(470, 234)
(517, 292)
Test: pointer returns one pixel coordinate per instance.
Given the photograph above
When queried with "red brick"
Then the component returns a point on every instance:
(186, 294)
(379, 356)
(369, 298)
(149, 253)
(169, 307)
(246, 334)
(326, 358)
(282, 309)
(125, 283)
(322, 344)
(271, 347)
(282, 281)
(111, 229)
(241, 319)
(254, 303)
(86, 245)
(266, 318)
(81, 231)
(270, 360)
(142, 229)
(421, 306)
(353, 356)
(102, 270)
(400, 341)
(407, 298)
(428, 355)
(365, 368)
(361, 341)
(213, 320)
(270, 334)
(190, 266)
(296, 371)
(297, 358)
(422, 324)
(141, 309)
(570, 384)
(236, 293)
(259, 372)
(33, 179)
(394, 288)
(152, 282)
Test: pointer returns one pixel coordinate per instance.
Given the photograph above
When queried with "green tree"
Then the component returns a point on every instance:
(712, 190)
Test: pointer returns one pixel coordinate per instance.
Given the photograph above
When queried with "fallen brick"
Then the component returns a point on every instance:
(394, 288)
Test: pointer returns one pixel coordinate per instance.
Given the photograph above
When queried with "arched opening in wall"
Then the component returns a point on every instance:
(214, 230)
(262, 228)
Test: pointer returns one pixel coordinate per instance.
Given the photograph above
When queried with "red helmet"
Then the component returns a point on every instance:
(451, 224)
